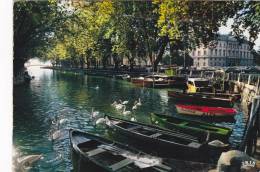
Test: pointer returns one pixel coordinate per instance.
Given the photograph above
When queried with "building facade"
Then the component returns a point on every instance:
(226, 52)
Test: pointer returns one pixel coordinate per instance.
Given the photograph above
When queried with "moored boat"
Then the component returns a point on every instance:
(159, 81)
(191, 126)
(234, 97)
(198, 85)
(93, 153)
(205, 111)
(197, 99)
(167, 143)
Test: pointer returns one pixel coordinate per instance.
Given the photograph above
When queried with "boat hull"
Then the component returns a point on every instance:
(190, 126)
(205, 111)
(165, 145)
(93, 153)
(200, 99)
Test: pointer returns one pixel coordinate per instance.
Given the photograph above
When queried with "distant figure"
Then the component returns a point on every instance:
(27, 77)
(184, 89)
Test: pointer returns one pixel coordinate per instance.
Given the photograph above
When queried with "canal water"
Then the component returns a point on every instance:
(55, 101)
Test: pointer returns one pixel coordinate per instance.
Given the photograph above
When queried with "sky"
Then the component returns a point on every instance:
(227, 29)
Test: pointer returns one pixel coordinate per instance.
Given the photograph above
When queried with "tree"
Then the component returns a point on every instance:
(34, 23)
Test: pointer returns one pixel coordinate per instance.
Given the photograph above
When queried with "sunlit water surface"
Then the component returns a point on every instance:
(56, 101)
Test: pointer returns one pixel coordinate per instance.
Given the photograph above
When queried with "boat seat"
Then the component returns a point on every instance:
(183, 123)
(194, 145)
(95, 151)
(155, 135)
(135, 127)
(163, 167)
(121, 164)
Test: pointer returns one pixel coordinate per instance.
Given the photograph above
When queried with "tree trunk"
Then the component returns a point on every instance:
(18, 65)
(160, 53)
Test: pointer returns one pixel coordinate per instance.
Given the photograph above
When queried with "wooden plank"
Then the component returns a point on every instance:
(121, 164)
(194, 145)
(155, 135)
(135, 127)
(162, 167)
(95, 151)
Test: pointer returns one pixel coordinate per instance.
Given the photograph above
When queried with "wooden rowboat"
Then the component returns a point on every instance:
(198, 99)
(93, 153)
(167, 143)
(205, 111)
(191, 126)
(182, 144)
(234, 97)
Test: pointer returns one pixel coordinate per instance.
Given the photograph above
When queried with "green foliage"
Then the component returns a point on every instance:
(138, 30)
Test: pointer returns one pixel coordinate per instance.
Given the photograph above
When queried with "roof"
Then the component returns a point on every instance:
(228, 38)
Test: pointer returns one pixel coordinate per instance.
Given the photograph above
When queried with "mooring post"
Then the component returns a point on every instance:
(249, 79)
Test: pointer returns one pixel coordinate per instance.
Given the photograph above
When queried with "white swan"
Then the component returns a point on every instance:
(100, 121)
(26, 162)
(114, 103)
(62, 121)
(94, 114)
(139, 102)
(125, 112)
(135, 106)
(124, 102)
(133, 119)
(119, 106)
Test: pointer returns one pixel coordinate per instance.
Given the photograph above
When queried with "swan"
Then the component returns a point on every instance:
(133, 119)
(139, 102)
(94, 114)
(119, 106)
(124, 102)
(62, 121)
(135, 106)
(114, 103)
(27, 161)
(125, 112)
(100, 121)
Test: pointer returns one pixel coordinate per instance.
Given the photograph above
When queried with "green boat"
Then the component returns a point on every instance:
(192, 127)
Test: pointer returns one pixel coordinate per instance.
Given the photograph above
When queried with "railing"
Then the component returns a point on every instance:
(252, 129)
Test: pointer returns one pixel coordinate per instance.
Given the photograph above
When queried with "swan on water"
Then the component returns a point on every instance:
(125, 112)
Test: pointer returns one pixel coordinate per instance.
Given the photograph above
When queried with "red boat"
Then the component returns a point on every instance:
(205, 111)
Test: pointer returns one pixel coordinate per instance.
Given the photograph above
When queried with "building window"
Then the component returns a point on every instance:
(219, 44)
(211, 52)
(224, 52)
(198, 53)
(244, 54)
(205, 53)
(219, 52)
(204, 64)
(240, 54)
(216, 51)
(229, 52)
